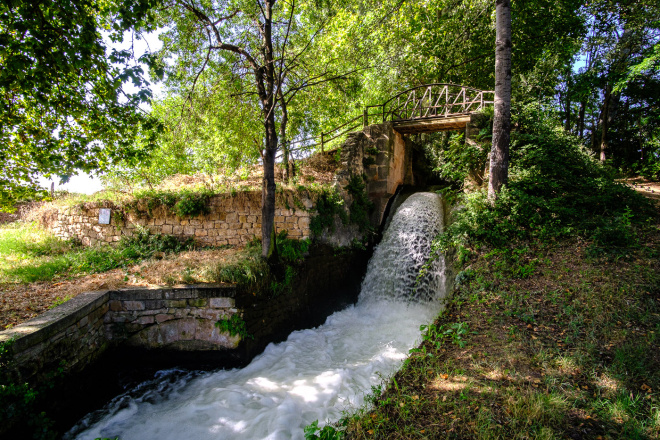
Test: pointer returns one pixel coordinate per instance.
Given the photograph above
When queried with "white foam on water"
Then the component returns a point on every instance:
(315, 374)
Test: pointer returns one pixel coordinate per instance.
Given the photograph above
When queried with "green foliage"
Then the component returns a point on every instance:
(235, 326)
(185, 203)
(19, 401)
(192, 204)
(24, 240)
(291, 251)
(248, 271)
(83, 120)
(458, 158)
(361, 208)
(251, 273)
(286, 284)
(209, 135)
(556, 188)
(313, 432)
(437, 334)
(291, 254)
(328, 204)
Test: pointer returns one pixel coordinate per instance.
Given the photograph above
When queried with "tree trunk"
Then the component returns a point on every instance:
(567, 127)
(268, 248)
(594, 134)
(268, 101)
(604, 124)
(583, 106)
(499, 158)
(283, 140)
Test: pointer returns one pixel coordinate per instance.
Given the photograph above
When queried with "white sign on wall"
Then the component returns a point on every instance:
(104, 216)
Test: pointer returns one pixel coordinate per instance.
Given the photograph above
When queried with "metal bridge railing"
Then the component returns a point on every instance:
(438, 100)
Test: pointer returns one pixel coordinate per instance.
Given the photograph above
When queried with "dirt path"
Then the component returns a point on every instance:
(645, 187)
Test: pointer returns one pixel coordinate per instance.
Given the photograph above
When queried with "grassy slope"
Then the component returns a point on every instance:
(558, 345)
(29, 253)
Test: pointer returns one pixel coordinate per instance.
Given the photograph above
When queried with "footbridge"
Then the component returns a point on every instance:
(426, 108)
(378, 145)
(432, 107)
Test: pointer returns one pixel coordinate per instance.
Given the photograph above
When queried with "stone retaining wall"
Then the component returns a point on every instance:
(233, 220)
(182, 320)
(76, 333)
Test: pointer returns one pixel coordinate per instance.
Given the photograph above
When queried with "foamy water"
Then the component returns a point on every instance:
(315, 374)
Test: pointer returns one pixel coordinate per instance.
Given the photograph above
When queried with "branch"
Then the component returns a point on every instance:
(206, 61)
(310, 84)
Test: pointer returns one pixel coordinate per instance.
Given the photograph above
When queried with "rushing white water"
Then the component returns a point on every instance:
(315, 374)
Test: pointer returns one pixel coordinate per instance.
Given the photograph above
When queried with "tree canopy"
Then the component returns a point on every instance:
(62, 103)
(593, 66)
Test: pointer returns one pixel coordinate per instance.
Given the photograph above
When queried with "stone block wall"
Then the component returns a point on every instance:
(76, 333)
(383, 156)
(72, 335)
(233, 220)
(182, 320)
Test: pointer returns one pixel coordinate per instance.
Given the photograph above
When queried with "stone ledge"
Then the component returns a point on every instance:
(174, 293)
(53, 321)
(47, 329)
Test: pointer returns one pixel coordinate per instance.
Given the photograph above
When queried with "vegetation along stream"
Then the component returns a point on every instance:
(315, 374)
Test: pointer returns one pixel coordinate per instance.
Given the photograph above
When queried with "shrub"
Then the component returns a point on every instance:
(291, 251)
(556, 188)
(186, 203)
(19, 402)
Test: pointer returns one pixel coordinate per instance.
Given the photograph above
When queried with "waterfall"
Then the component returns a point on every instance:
(315, 374)
(393, 271)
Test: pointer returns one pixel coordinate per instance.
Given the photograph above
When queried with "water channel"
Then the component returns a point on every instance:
(316, 374)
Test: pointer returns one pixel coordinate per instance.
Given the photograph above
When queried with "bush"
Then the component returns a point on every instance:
(556, 188)
(291, 251)
(185, 203)
(19, 402)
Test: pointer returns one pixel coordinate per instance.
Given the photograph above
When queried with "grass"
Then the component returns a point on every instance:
(30, 254)
(541, 341)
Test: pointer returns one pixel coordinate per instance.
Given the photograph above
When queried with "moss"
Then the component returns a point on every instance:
(234, 326)
(328, 205)
(361, 208)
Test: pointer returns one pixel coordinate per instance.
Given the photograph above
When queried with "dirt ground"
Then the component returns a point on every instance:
(20, 302)
(645, 187)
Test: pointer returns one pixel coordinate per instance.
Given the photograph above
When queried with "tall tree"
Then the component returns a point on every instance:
(499, 156)
(260, 48)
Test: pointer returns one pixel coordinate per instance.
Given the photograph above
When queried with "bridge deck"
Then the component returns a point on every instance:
(430, 125)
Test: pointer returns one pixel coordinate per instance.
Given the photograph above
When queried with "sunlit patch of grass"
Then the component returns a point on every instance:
(529, 409)
(607, 384)
(20, 241)
(29, 253)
